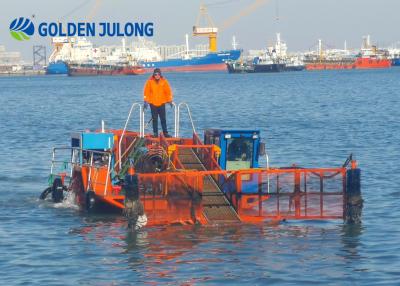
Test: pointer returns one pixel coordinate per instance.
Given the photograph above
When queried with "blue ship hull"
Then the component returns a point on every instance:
(210, 62)
(396, 62)
(58, 67)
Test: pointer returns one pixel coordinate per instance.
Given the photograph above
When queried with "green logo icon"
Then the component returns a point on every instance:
(21, 28)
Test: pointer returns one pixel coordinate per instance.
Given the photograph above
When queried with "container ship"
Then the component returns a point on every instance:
(368, 58)
(274, 59)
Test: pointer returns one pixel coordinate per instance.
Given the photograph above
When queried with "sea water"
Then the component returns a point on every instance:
(313, 119)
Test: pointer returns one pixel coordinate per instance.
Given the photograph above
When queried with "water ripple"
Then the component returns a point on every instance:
(312, 119)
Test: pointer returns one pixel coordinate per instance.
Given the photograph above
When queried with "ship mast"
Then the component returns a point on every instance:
(187, 45)
(320, 53)
(234, 43)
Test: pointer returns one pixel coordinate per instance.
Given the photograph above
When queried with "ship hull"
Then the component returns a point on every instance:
(359, 63)
(59, 67)
(261, 68)
(100, 70)
(295, 68)
(396, 62)
(190, 68)
(209, 62)
(269, 68)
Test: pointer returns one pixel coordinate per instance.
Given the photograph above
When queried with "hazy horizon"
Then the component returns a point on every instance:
(301, 22)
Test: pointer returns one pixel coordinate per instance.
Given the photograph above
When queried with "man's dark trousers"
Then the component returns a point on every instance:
(155, 112)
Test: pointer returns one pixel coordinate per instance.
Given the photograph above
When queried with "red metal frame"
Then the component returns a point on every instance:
(256, 194)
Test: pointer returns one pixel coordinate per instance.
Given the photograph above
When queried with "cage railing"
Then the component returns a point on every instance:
(315, 193)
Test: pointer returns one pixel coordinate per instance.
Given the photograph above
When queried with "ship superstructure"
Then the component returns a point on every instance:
(368, 57)
(273, 59)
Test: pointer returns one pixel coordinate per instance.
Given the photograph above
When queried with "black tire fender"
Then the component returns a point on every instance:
(90, 201)
(45, 193)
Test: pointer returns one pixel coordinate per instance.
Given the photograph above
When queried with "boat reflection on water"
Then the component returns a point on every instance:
(351, 241)
(170, 253)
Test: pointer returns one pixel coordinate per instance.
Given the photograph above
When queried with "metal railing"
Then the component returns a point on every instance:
(92, 164)
(177, 117)
(75, 159)
(141, 128)
(184, 104)
(67, 164)
(316, 193)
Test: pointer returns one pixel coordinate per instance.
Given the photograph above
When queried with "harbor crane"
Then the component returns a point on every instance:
(211, 31)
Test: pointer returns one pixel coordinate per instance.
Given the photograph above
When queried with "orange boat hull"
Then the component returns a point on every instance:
(359, 63)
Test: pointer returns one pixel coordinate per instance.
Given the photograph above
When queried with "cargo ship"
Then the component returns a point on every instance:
(357, 63)
(394, 55)
(396, 62)
(213, 61)
(74, 52)
(68, 50)
(273, 59)
(58, 58)
(103, 69)
(57, 67)
(78, 52)
(368, 58)
(186, 60)
(246, 67)
(78, 56)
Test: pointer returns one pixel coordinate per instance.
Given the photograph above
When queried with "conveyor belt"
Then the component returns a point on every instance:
(216, 207)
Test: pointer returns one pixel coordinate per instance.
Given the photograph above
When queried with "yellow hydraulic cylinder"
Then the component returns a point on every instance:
(212, 42)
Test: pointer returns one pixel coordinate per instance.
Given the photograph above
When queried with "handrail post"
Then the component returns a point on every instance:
(141, 110)
(267, 158)
(178, 121)
(90, 171)
(73, 159)
(52, 160)
(175, 119)
(108, 173)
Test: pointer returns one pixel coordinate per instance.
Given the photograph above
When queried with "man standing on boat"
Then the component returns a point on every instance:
(157, 92)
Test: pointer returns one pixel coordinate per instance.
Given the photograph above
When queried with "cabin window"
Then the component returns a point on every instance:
(239, 153)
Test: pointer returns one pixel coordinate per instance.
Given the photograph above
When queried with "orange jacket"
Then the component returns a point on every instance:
(157, 93)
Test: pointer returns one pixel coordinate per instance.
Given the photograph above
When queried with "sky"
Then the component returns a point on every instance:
(301, 22)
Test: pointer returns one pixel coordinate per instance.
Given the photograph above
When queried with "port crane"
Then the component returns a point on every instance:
(211, 31)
